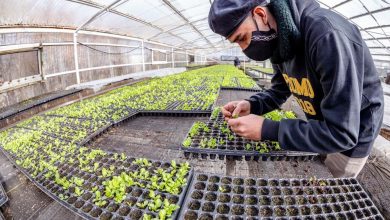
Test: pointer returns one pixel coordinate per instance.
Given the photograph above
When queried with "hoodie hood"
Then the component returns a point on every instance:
(288, 15)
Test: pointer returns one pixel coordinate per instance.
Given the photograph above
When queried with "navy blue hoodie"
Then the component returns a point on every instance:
(334, 79)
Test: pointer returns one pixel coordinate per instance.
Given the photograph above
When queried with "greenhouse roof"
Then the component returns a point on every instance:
(181, 23)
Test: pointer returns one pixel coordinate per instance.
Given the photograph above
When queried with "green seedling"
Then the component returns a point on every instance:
(248, 146)
(78, 191)
(95, 166)
(203, 143)
(187, 142)
(212, 143)
(63, 197)
(143, 204)
(78, 181)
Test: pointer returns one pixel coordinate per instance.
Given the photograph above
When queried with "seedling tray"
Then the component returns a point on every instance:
(84, 205)
(236, 147)
(242, 89)
(17, 108)
(176, 113)
(3, 195)
(223, 197)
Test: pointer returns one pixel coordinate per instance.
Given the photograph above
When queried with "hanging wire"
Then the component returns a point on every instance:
(101, 51)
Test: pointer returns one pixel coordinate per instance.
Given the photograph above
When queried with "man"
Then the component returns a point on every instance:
(237, 62)
(321, 59)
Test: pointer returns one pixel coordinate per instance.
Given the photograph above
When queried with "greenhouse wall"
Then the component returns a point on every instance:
(100, 57)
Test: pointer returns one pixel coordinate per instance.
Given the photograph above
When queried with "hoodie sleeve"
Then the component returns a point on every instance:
(272, 98)
(339, 64)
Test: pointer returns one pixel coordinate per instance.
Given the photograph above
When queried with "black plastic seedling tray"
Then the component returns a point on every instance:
(242, 89)
(222, 197)
(176, 113)
(236, 148)
(15, 109)
(84, 205)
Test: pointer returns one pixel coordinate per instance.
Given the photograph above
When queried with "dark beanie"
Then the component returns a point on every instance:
(227, 15)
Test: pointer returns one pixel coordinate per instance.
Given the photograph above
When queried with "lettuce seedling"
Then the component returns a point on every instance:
(95, 166)
(187, 142)
(222, 189)
(78, 191)
(203, 143)
(215, 113)
(78, 181)
(155, 204)
(212, 143)
(63, 197)
(143, 204)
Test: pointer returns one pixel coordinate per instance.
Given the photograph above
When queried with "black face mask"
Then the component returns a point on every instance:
(262, 45)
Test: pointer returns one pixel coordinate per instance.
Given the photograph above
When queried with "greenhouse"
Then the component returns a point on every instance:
(207, 109)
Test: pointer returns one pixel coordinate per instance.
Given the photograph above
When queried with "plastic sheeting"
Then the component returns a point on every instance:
(181, 23)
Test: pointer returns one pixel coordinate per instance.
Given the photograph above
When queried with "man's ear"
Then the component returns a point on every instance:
(261, 13)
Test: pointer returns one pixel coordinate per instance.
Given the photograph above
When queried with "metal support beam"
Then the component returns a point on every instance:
(370, 13)
(143, 56)
(95, 5)
(360, 28)
(340, 4)
(103, 10)
(376, 47)
(76, 58)
(380, 54)
(186, 20)
(186, 57)
(174, 28)
(375, 27)
(40, 64)
(378, 38)
(173, 58)
(382, 61)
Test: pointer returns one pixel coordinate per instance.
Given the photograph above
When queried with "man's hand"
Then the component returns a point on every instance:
(248, 127)
(235, 109)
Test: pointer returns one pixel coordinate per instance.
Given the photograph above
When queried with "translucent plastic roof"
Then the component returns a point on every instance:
(181, 23)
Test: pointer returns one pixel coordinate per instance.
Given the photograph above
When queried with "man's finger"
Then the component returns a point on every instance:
(236, 111)
(230, 107)
(234, 123)
(225, 112)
